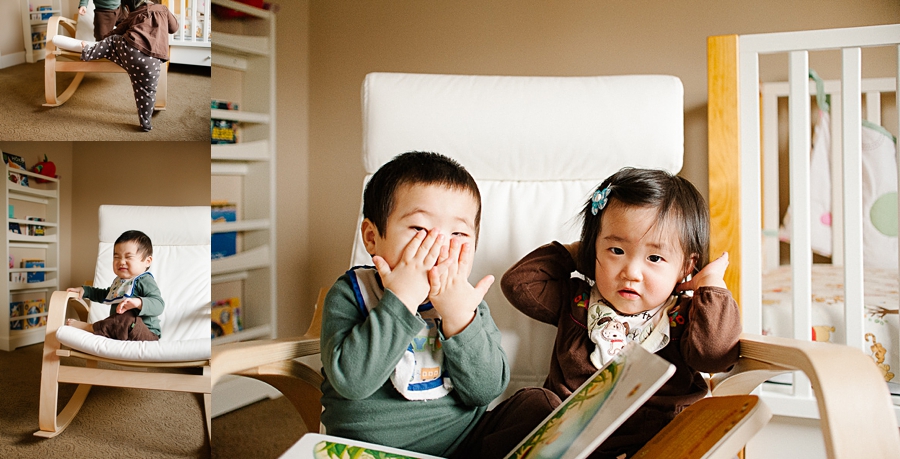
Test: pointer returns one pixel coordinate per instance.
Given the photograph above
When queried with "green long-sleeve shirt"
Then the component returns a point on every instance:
(145, 288)
(359, 354)
(102, 4)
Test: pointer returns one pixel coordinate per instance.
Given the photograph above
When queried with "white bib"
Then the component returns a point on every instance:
(122, 289)
(420, 374)
(610, 331)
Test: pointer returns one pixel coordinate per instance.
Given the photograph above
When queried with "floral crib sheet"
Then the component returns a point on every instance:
(882, 297)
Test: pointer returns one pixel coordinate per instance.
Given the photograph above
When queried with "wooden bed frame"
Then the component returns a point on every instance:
(736, 206)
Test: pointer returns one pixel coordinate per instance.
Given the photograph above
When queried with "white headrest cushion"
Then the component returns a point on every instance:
(156, 223)
(503, 127)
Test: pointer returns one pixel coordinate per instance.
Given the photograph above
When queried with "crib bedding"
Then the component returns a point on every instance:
(882, 297)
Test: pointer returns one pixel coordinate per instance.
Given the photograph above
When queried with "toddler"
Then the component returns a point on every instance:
(139, 43)
(105, 14)
(644, 232)
(410, 352)
(134, 299)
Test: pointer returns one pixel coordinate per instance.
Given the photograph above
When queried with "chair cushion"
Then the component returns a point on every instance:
(141, 351)
(537, 146)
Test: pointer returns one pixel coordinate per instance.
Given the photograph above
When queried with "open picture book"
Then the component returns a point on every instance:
(572, 431)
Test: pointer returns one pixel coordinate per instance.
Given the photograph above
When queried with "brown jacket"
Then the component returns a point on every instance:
(147, 29)
(704, 338)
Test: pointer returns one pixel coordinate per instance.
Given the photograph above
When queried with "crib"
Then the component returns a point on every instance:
(191, 44)
(849, 296)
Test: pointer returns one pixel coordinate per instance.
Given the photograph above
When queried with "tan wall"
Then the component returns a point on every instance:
(130, 173)
(348, 39)
(296, 294)
(11, 38)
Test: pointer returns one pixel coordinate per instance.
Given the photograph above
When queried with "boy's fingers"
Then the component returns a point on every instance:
(484, 285)
(432, 248)
(382, 266)
(412, 248)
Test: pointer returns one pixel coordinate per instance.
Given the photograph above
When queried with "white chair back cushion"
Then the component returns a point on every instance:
(181, 267)
(537, 146)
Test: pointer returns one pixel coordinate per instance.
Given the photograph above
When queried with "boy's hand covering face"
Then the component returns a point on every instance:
(408, 279)
(451, 293)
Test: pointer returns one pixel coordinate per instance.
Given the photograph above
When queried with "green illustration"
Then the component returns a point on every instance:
(332, 450)
(556, 435)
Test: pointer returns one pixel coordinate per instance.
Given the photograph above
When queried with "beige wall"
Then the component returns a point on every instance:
(348, 39)
(11, 38)
(295, 297)
(130, 173)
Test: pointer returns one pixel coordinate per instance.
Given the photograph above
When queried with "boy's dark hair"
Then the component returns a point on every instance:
(145, 247)
(677, 201)
(414, 168)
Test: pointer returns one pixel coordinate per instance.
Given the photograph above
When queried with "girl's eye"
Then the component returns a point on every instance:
(655, 258)
(617, 251)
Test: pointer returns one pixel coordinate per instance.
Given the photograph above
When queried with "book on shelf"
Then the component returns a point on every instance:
(223, 131)
(15, 162)
(223, 244)
(572, 431)
(35, 230)
(36, 276)
(15, 228)
(226, 317)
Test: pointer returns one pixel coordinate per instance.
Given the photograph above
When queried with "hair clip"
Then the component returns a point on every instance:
(599, 200)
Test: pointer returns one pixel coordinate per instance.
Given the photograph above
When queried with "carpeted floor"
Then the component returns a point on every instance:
(114, 422)
(102, 108)
(263, 430)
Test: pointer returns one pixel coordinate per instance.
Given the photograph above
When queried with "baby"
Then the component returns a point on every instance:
(139, 43)
(133, 294)
(411, 355)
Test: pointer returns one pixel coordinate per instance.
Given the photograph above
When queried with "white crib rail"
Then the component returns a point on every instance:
(191, 43)
(759, 215)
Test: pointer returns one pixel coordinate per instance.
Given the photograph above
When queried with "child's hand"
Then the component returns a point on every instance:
(712, 275)
(129, 303)
(451, 293)
(408, 280)
(78, 290)
(82, 10)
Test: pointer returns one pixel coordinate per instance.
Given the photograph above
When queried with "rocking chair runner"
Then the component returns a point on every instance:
(57, 60)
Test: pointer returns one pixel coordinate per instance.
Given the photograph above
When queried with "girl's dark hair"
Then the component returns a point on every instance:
(414, 168)
(145, 247)
(677, 201)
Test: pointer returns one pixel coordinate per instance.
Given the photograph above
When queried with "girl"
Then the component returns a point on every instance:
(644, 231)
(139, 44)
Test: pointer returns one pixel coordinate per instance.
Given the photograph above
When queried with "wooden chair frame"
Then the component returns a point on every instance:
(132, 375)
(60, 61)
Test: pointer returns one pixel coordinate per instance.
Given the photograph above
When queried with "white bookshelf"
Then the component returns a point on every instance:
(35, 22)
(36, 200)
(243, 71)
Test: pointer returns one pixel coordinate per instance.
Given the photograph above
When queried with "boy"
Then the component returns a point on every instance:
(105, 14)
(132, 295)
(411, 355)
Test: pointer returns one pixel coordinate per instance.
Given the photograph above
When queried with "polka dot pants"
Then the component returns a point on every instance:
(142, 69)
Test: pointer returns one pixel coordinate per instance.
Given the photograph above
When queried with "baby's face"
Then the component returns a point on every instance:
(428, 207)
(637, 265)
(128, 261)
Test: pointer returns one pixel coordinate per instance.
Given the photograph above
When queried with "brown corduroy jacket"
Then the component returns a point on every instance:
(147, 29)
(704, 338)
